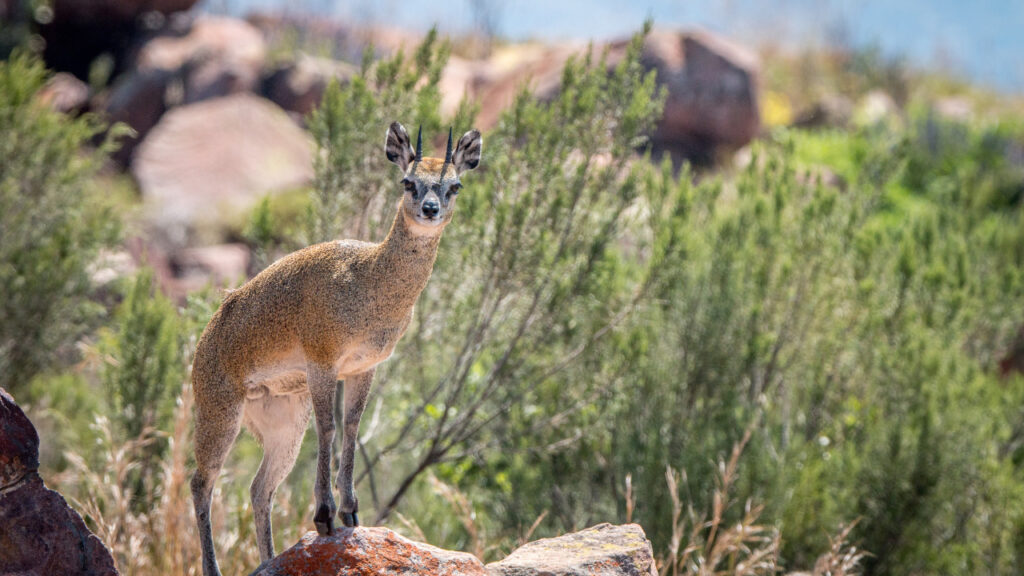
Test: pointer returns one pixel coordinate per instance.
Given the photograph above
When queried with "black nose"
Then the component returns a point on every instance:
(431, 208)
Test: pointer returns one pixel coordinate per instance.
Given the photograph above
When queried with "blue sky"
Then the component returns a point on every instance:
(982, 40)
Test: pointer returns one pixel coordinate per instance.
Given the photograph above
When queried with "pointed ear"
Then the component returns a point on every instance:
(397, 146)
(467, 152)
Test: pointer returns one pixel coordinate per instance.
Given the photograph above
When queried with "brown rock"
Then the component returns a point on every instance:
(298, 86)
(19, 443)
(138, 100)
(499, 81)
(712, 85)
(65, 93)
(834, 111)
(79, 31)
(220, 265)
(368, 552)
(604, 550)
(217, 56)
(209, 162)
(712, 88)
(39, 533)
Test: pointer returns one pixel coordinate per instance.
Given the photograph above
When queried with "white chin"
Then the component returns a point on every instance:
(424, 226)
(427, 222)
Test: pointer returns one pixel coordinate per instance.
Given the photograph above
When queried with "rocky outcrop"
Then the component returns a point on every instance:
(206, 162)
(712, 88)
(368, 552)
(216, 56)
(604, 550)
(39, 533)
(138, 100)
(188, 61)
(78, 31)
(712, 85)
(298, 86)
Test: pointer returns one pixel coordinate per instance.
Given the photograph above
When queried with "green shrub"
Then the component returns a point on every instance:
(53, 223)
(143, 373)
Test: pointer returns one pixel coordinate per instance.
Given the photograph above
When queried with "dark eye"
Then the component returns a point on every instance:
(454, 189)
(410, 186)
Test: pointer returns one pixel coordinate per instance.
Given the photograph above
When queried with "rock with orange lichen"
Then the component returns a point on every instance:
(604, 550)
(365, 552)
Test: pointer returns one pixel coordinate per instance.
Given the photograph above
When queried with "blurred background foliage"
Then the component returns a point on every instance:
(806, 339)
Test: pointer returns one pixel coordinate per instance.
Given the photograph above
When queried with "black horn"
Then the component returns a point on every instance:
(419, 144)
(447, 154)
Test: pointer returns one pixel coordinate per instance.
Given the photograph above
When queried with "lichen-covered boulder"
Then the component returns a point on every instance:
(604, 550)
(368, 552)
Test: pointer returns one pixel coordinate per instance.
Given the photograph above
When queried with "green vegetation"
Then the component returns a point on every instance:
(759, 365)
(53, 223)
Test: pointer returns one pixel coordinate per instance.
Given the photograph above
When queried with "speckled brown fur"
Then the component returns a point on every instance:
(273, 351)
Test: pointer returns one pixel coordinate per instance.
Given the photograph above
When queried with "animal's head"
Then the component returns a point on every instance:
(431, 185)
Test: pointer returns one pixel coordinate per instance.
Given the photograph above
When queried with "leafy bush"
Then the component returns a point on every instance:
(52, 225)
(592, 316)
(143, 358)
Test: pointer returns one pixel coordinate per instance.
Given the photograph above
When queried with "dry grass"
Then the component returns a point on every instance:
(842, 558)
(162, 539)
(743, 548)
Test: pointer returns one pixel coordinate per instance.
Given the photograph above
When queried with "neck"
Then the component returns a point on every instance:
(405, 260)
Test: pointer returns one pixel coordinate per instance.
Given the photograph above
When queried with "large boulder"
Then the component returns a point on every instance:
(189, 60)
(138, 100)
(78, 31)
(298, 85)
(205, 164)
(604, 550)
(496, 83)
(712, 85)
(39, 533)
(215, 56)
(712, 88)
(368, 552)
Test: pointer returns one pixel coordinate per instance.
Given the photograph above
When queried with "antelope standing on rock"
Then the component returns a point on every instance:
(275, 348)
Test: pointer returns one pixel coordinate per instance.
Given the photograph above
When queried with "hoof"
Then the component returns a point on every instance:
(350, 519)
(323, 520)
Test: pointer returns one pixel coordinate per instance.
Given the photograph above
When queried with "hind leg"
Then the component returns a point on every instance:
(217, 426)
(279, 423)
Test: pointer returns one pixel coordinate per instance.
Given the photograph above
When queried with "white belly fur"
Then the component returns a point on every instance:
(288, 374)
